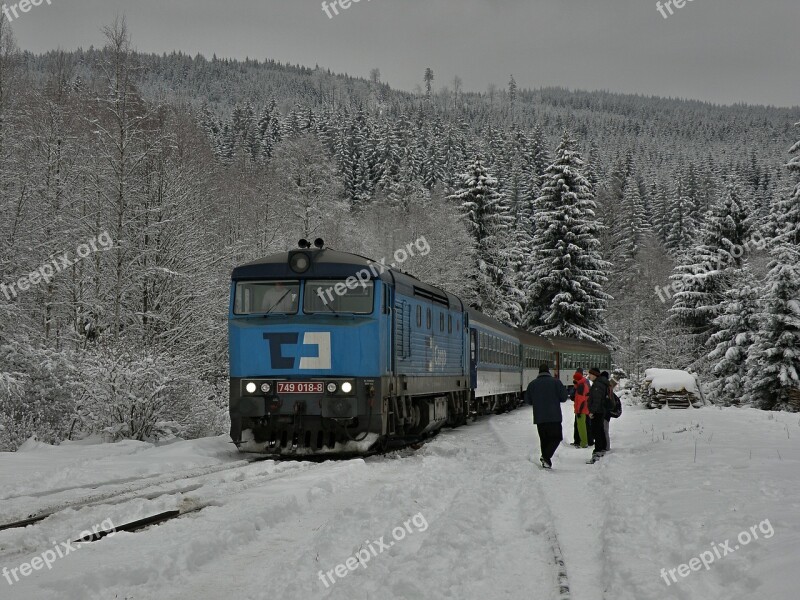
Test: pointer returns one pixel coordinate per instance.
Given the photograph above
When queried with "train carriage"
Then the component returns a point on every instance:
(574, 354)
(495, 364)
(537, 350)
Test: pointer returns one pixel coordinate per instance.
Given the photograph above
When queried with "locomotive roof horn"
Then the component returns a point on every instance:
(304, 244)
(319, 243)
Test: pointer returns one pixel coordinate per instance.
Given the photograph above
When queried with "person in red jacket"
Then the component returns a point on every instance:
(581, 404)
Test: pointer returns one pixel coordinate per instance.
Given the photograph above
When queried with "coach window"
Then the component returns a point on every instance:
(428, 319)
(441, 322)
(419, 316)
(449, 323)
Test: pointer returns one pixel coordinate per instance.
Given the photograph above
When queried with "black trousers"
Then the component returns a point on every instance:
(550, 438)
(599, 431)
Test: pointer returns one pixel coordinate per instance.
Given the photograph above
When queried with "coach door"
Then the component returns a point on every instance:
(473, 358)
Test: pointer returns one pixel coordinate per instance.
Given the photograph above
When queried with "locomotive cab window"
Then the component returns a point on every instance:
(322, 296)
(266, 297)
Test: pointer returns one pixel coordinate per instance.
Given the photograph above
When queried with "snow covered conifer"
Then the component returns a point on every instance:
(786, 212)
(634, 218)
(489, 224)
(774, 362)
(736, 331)
(705, 272)
(566, 296)
(681, 226)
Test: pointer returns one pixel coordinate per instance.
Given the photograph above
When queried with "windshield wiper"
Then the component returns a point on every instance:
(286, 293)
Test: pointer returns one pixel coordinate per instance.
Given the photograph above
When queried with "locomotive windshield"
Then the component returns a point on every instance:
(266, 297)
(333, 295)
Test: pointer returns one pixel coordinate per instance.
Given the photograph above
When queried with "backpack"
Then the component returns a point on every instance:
(615, 409)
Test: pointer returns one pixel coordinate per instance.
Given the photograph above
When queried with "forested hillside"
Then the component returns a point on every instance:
(189, 166)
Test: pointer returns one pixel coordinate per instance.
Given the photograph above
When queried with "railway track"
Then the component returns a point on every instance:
(111, 496)
(161, 517)
(125, 495)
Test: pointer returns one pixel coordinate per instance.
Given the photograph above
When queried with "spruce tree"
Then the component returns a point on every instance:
(489, 224)
(774, 362)
(786, 212)
(681, 225)
(565, 286)
(736, 331)
(706, 272)
(634, 219)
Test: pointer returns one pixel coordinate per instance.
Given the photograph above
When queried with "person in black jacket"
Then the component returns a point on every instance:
(598, 406)
(546, 393)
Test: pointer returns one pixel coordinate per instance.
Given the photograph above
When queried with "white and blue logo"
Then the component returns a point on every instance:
(312, 354)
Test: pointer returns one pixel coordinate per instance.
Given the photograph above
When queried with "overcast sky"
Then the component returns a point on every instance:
(722, 51)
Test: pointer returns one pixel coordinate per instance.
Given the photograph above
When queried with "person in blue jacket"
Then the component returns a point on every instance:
(546, 393)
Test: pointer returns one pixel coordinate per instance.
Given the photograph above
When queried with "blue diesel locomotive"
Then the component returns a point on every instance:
(331, 352)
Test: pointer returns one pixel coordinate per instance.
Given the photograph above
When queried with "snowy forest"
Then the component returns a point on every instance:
(668, 229)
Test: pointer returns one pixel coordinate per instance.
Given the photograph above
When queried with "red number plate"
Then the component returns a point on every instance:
(299, 387)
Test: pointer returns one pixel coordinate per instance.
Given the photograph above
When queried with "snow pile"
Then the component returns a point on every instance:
(671, 380)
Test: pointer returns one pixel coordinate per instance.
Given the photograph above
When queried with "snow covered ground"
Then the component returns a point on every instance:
(471, 515)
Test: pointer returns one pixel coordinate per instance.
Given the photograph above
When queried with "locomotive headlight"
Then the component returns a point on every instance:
(347, 387)
(331, 387)
(300, 262)
(265, 388)
(250, 387)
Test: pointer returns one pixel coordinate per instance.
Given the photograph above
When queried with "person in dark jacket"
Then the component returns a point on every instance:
(546, 393)
(611, 385)
(598, 407)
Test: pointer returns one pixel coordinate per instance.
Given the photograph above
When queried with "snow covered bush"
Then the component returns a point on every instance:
(146, 395)
(38, 387)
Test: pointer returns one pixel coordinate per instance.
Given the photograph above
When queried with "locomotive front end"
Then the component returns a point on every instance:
(307, 354)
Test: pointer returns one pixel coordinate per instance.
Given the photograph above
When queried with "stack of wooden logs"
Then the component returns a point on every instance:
(671, 399)
(794, 399)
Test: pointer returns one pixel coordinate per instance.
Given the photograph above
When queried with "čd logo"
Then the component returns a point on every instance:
(314, 353)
